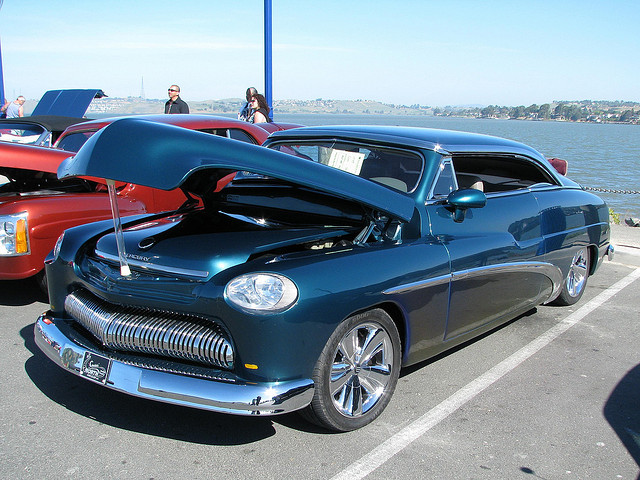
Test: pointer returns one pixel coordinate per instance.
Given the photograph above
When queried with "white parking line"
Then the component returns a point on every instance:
(629, 250)
(377, 457)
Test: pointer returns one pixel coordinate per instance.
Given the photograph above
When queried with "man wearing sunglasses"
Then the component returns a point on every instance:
(175, 104)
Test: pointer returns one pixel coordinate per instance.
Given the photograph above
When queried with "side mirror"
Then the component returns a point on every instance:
(461, 200)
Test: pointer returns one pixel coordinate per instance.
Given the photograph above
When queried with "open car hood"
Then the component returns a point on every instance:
(68, 103)
(167, 157)
(28, 157)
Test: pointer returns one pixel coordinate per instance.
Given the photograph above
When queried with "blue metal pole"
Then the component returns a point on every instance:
(268, 72)
(1, 76)
(1, 79)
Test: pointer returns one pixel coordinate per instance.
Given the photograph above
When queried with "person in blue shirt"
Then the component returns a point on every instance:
(14, 109)
(245, 113)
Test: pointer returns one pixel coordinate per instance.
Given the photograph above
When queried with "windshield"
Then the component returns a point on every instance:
(23, 133)
(396, 169)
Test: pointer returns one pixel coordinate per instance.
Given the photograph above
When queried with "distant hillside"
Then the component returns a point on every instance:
(578, 111)
(136, 105)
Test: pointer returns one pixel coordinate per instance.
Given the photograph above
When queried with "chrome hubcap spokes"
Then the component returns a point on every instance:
(577, 276)
(361, 369)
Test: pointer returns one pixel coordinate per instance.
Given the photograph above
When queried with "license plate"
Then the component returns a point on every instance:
(95, 367)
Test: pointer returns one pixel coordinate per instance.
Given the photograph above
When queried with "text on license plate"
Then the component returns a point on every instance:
(95, 367)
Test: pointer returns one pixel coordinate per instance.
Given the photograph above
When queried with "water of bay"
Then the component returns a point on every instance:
(603, 156)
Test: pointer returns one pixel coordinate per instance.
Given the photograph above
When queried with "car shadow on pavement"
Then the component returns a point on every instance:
(623, 414)
(20, 292)
(136, 414)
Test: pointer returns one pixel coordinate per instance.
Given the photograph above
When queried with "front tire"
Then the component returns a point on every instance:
(356, 373)
(42, 282)
(576, 281)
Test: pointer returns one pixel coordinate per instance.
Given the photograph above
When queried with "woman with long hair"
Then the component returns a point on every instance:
(260, 109)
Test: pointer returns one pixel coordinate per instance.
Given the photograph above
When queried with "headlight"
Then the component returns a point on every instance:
(57, 246)
(261, 293)
(14, 236)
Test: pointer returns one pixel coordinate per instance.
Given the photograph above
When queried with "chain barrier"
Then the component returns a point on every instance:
(609, 190)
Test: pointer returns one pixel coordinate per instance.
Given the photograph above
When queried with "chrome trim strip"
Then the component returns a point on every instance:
(549, 270)
(489, 195)
(544, 187)
(154, 267)
(509, 193)
(409, 287)
(445, 160)
(552, 272)
(239, 397)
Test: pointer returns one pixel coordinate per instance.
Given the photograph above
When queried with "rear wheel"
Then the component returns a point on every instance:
(356, 373)
(576, 280)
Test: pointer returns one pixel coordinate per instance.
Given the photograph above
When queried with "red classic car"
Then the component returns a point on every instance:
(75, 136)
(36, 207)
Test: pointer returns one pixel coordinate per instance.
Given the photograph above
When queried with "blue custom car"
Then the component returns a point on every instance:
(335, 257)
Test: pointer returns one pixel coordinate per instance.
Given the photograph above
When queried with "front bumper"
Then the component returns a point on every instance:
(19, 267)
(236, 397)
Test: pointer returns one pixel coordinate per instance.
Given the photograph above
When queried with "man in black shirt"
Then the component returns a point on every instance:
(175, 104)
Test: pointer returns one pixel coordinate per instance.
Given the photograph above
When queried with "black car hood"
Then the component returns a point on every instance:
(167, 157)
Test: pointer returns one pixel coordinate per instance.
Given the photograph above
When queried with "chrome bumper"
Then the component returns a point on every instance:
(238, 397)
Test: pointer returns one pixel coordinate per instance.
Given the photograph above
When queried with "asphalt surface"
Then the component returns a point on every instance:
(553, 394)
(626, 241)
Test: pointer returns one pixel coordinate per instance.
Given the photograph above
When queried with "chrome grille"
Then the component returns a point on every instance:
(153, 332)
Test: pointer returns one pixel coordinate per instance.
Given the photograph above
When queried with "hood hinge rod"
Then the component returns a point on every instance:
(125, 271)
(362, 237)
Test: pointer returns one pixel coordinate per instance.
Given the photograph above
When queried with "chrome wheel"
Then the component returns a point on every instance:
(356, 373)
(578, 273)
(361, 369)
(576, 281)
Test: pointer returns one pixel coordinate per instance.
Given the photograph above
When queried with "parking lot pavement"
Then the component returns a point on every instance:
(568, 410)
(626, 241)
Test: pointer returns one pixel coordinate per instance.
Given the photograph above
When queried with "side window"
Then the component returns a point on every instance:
(446, 181)
(233, 133)
(505, 173)
(221, 132)
(241, 135)
(74, 141)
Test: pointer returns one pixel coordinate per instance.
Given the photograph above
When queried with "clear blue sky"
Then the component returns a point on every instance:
(437, 53)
